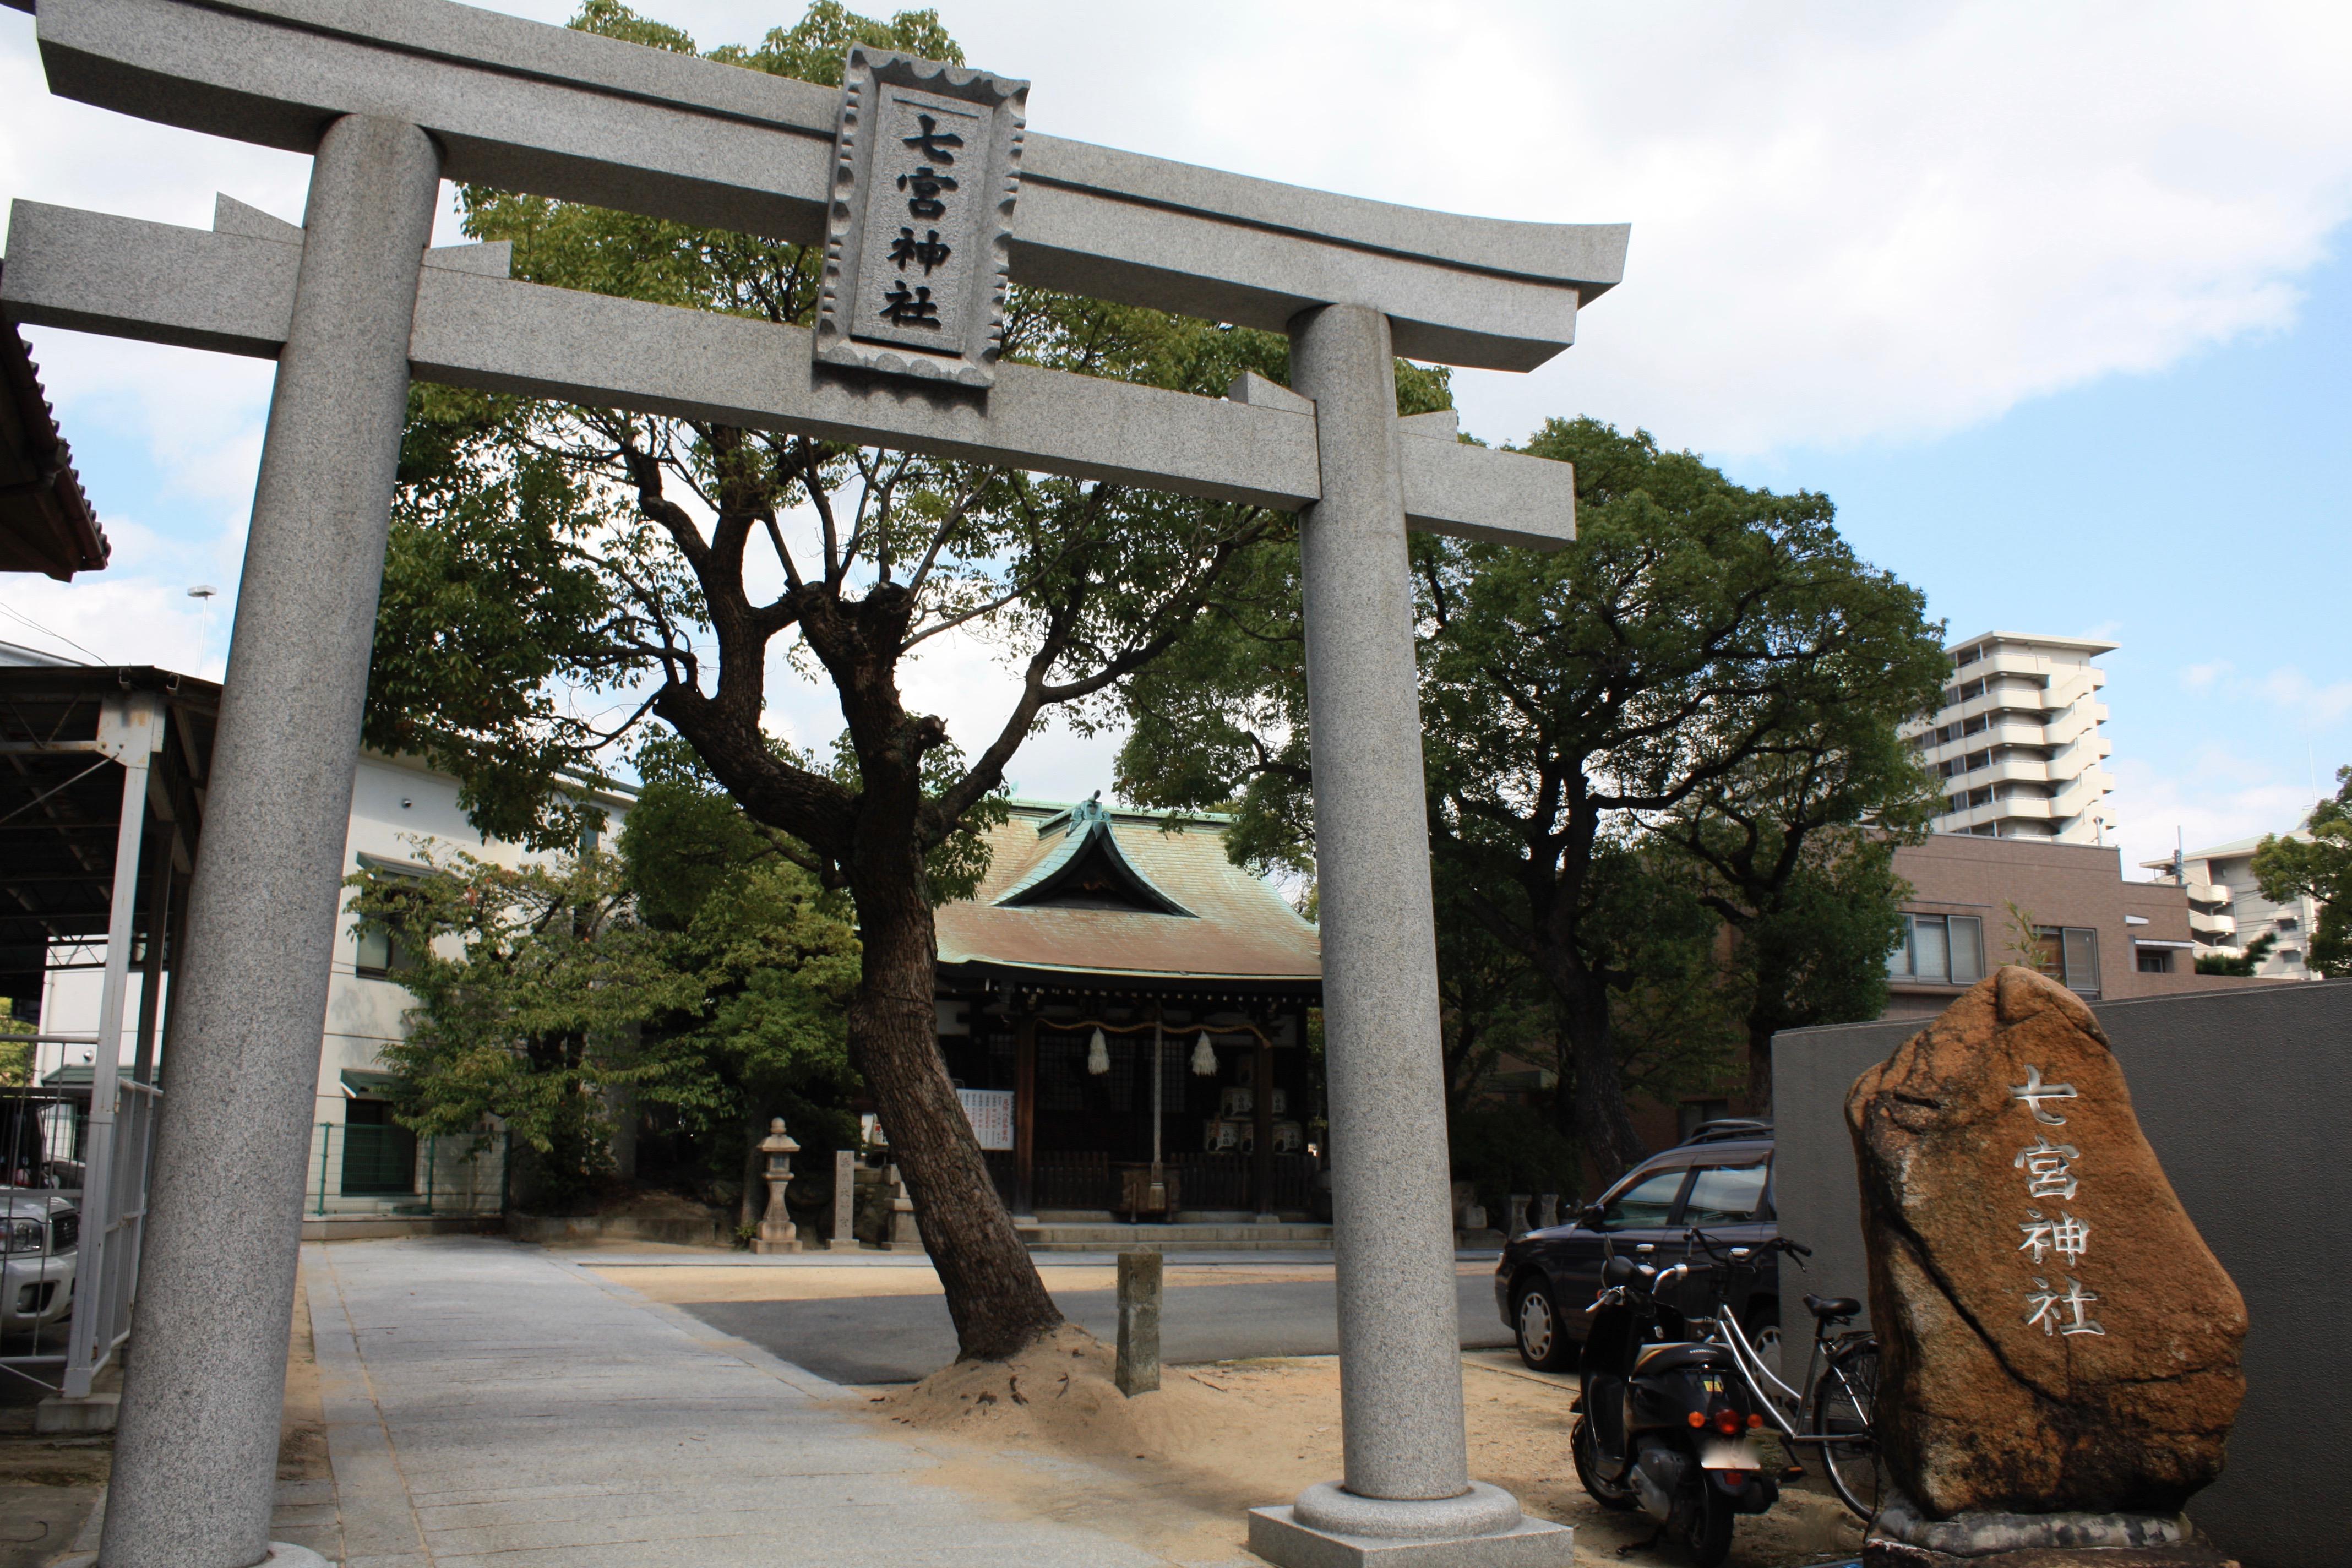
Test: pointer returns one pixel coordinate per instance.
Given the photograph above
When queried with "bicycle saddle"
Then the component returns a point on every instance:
(1833, 1306)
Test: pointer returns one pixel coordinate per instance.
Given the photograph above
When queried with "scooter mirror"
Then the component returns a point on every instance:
(1617, 1271)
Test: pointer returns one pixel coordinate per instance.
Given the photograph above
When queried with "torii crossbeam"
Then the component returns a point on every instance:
(393, 96)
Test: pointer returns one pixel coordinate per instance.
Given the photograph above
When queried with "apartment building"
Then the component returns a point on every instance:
(1977, 902)
(2017, 740)
(2228, 913)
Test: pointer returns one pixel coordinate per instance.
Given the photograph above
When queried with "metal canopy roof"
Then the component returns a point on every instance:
(60, 802)
(45, 523)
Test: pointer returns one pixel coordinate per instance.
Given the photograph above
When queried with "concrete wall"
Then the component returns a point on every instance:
(2243, 1096)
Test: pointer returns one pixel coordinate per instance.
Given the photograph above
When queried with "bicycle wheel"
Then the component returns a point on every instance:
(1843, 1405)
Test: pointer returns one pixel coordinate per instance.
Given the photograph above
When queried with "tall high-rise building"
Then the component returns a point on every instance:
(2017, 740)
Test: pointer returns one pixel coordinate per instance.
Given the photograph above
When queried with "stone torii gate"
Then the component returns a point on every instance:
(932, 166)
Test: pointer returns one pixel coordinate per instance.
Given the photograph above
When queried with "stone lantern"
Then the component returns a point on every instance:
(777, 1233)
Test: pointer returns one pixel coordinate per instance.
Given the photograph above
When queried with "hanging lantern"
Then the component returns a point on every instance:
(1099, 1054)
(1204, 1057)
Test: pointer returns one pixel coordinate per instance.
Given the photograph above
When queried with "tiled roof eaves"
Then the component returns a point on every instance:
(46, 522)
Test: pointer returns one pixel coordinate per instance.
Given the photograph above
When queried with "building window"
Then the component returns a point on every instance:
(2154, 959)
(1946, 948)
(2070, 956)
(382, 951)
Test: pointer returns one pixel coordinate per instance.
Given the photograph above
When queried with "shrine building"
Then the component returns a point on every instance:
(1100, 941)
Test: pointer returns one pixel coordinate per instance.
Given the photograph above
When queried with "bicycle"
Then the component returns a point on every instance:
(1837, 1397)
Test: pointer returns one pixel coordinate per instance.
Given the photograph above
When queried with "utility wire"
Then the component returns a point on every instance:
(18, 615)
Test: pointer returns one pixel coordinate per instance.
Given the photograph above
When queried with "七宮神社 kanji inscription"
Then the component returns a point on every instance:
(927, 165)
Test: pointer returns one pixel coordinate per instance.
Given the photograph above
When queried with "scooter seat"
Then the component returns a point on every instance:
(1833, 1306)
(1667, 1357)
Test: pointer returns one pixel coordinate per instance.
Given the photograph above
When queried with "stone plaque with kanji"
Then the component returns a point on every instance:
(927, 164)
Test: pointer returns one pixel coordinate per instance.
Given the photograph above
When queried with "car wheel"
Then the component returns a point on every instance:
(1542, 1334)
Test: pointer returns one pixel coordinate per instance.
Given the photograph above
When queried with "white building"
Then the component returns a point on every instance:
(362, 1167)
(2017, 740)
(2228, 914)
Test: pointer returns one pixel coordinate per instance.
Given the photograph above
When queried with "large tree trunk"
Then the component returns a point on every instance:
(1759, 1069)
(999, 1304)
(1604, 1125)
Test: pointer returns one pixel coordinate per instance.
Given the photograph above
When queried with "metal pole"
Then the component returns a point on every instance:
(1400, 1349)
(195, 1456)
(86, 1344)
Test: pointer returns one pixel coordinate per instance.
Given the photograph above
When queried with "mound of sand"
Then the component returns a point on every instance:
(1059, 1394)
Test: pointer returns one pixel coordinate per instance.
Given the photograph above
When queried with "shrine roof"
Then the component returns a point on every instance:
(1088, 889)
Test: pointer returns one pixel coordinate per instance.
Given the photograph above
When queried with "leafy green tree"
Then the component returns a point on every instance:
(775, 962)
(530, 984)
(2320, 867)
(16, 1048)
(560, 574)
(699, 974)
(1796, 850)
(2246, 965)
(1695, 629)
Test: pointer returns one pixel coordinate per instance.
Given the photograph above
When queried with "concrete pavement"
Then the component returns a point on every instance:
(901, 1338)
(490, 1407)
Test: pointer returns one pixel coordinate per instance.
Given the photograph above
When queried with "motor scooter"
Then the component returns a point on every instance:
(1665, 1423)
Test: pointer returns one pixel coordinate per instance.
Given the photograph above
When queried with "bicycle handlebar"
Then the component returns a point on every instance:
(1705, 1244)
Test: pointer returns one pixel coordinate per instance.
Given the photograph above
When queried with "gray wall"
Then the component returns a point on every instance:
(2246, 1096)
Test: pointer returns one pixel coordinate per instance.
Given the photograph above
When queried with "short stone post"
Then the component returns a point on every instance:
(1515, 1215)
(899, 1232)
(195, 1459)
(777, 1232)
(845, 1199)
(1547, 1211)
(1138, 1322)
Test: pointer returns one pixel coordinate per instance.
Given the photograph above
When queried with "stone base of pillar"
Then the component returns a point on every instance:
(764, 1245)
(281, 1555)
(92, 1413)
(1275, 1534)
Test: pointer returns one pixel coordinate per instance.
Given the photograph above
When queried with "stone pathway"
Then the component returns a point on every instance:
(489, 1407)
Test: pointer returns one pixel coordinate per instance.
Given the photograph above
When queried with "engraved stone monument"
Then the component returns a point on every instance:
(2058, 1347)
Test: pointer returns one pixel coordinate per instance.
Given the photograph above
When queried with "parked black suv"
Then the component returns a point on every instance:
(1718, 1179)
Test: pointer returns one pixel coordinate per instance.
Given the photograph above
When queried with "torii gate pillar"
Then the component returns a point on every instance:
(200, 1433)
(1407, 1459)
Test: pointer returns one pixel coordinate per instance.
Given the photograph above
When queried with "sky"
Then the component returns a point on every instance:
(2055, 303)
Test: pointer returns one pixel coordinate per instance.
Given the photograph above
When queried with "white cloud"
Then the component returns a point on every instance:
(2308, 701)
(109, 619)
(1851, 222)
(2222, 798)
(2201, 678)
